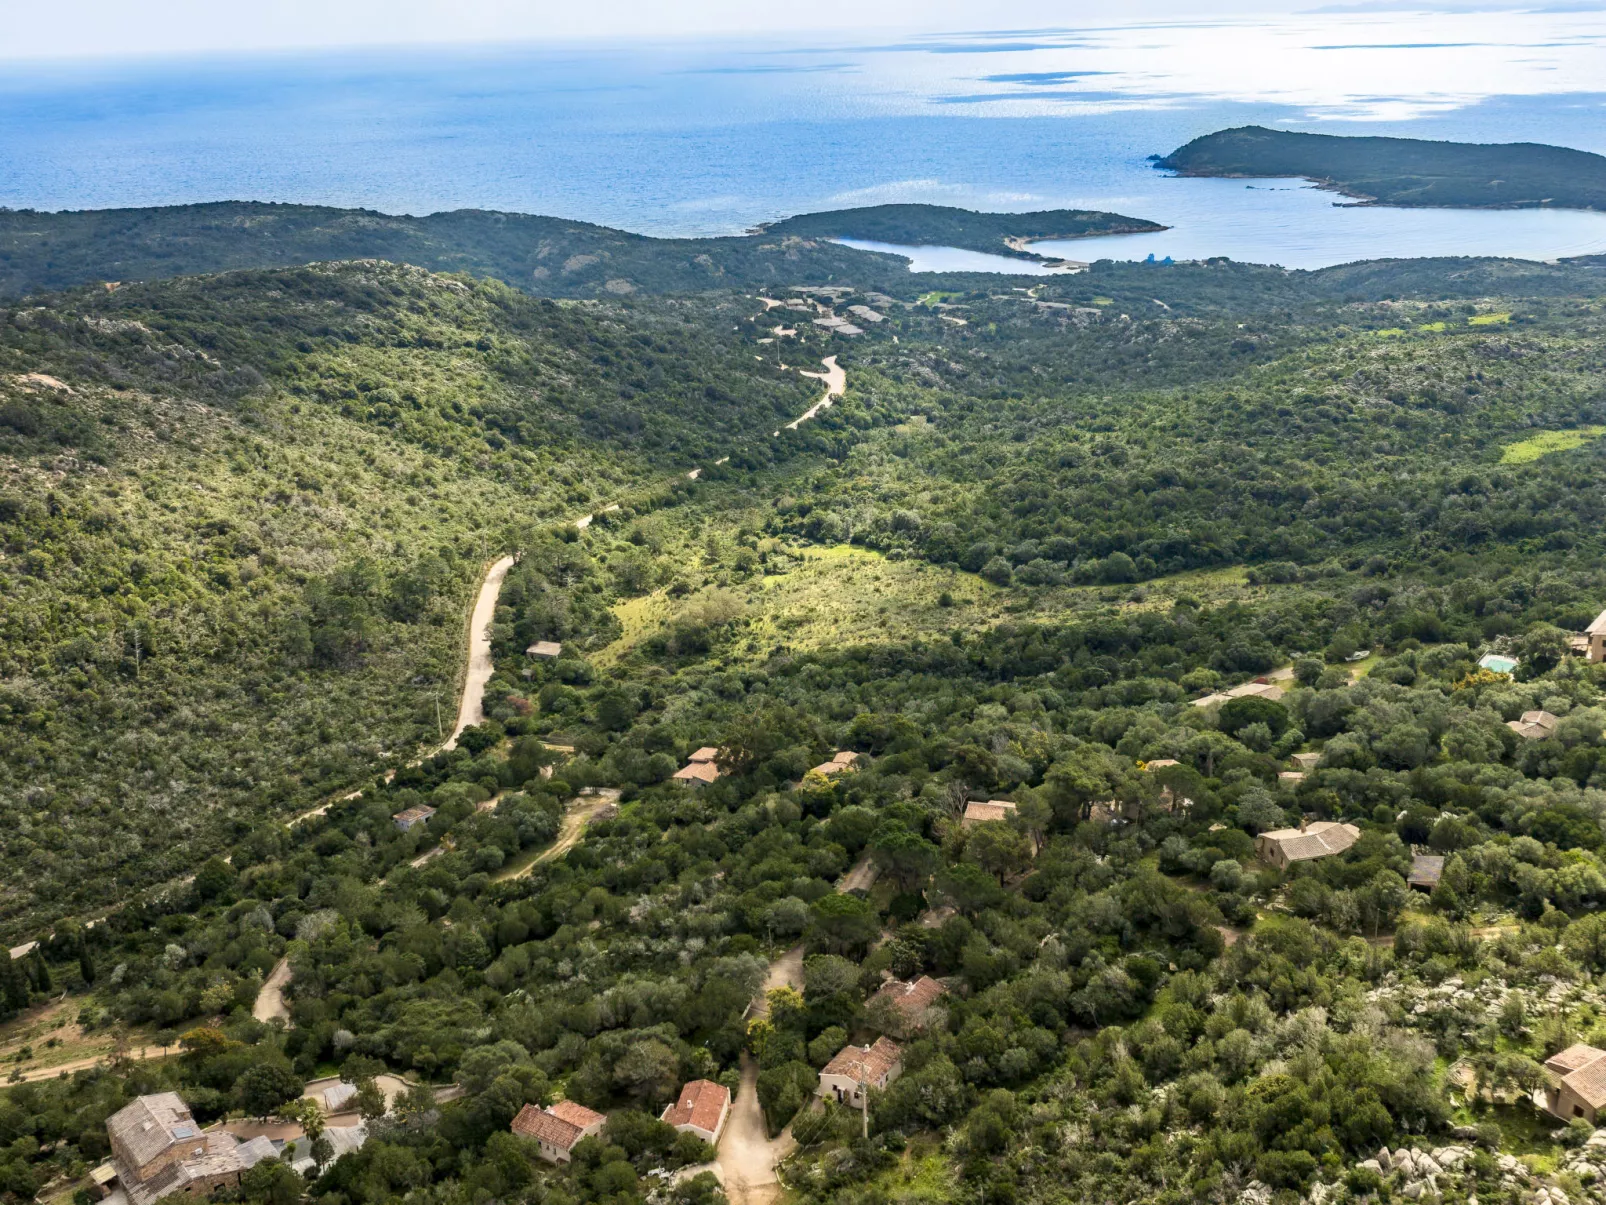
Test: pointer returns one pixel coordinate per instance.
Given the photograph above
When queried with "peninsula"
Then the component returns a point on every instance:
(945, 226)
(1404, 171)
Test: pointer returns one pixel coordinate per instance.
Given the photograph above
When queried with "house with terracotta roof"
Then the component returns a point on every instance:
(910, 1003)
(1576, 1083)
(1319, 839)
(702, 1109)
(977, 812)
(697, 773)
(557, 1129)
(1535, 725)
(856, 1068)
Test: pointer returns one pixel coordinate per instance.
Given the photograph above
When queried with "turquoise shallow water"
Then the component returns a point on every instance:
(713, 138)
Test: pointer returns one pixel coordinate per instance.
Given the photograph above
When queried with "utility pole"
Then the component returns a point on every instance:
(864, 1106)
(438, 728)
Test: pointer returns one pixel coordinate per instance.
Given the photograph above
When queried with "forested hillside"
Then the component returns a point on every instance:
(1404, 171)
(1020, 559)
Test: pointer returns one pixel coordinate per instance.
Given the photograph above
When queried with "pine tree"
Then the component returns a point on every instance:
(40, 972)
(86, 966)
(13, 987)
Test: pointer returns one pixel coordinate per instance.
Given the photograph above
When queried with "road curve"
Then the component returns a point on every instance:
(836, 384)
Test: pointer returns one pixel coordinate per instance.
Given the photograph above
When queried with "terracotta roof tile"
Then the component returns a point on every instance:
(701, 1103)
(866, 1064)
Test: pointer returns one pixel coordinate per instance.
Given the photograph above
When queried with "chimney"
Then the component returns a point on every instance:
(1302, 822)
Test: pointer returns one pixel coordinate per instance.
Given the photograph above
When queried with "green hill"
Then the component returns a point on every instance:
(1404, 171)
(945, 226)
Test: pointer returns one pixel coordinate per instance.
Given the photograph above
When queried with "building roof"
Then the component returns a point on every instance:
(1306, 761)
(1530, 731)
(1316, 840)
(337, 1096)
(345, 1139)
(697, 771)
(256, 1150)
(1583, 1069)
(706, 753)
(561, 1126)
(1574, 1058)
(1426, 870)
(544, 648)
(914, 998)
(1161, 763)
(847, 757)
(1210, 699)
(701, 1103)
(1261, 690)
(151, 1124)
(994, 809)
(866, 1064)
(1543, 718)
(1598, 627)
(1291, 776)
(422, 812)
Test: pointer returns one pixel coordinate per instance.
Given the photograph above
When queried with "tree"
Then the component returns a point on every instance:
(842, 924)
(265, 1087)
(1258, 812)
(648, 1070)
(903, 855)
(528, 757)
(308, 1114)
(998, 849)
(969, 887)
(1238, 714)
(215, 880)
(1088, 774)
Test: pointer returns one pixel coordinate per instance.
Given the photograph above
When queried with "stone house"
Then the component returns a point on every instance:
(1535, 725)
(856, 1068)
(556, 1130)
(412, 817)
(702, 1109)
(1318, 839)
(1577, 1083)
(159, 1150)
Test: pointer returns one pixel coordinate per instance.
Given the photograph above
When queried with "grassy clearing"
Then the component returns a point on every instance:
(1546, 442)
(842, 595)
(1489, 320)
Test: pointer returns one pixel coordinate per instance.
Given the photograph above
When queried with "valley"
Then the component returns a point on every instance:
(516, 700)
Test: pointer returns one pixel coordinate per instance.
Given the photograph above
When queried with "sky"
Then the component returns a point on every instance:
(72, 29)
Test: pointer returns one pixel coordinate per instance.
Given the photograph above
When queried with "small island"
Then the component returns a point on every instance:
(947, 226)
(1404, 171)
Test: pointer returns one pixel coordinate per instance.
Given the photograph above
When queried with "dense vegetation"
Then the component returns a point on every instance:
(946, 226)
(242, 519)
(554, 257)
(1404, 171)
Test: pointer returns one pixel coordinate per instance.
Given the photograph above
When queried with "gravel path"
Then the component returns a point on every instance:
(471, 707)
(270, 1000)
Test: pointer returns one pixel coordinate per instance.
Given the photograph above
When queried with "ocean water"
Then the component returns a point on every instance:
(714, 137)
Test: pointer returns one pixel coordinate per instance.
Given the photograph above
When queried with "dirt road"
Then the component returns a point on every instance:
(270, 1000)
(471, 706)
(861, 878)
(747, 1156)
(580, 814)
(84, 1064)
(836, 384)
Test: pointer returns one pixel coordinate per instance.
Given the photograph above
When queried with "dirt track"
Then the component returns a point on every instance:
(270, 1000)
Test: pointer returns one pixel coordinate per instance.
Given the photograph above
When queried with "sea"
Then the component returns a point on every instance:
(713, 137)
